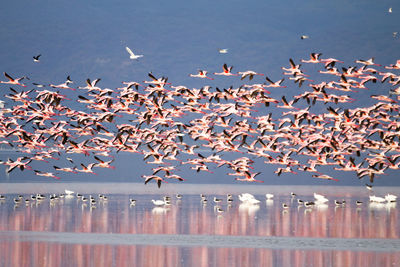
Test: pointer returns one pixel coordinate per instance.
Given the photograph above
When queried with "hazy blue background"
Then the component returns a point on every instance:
(87, 39)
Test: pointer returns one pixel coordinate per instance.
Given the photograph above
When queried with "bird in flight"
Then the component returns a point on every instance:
(223, 50)
(12, 80)
(36, 58)
(132, 55)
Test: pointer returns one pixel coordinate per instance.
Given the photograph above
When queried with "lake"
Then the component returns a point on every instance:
(71, 232)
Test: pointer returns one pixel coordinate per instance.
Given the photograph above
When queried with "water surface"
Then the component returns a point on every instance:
(115, 233)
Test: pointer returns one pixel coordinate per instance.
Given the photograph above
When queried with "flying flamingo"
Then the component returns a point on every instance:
(12, 80)
(286, 104)
(249, 177)
(87, 169)
(249, 74)
(394, 66)
(46, 174)
(65, 169)
(324, 176)
(294, 69)
(368, 62)
(226, 71)
(274, 84)
(156, 178)
(314, 58)
(64, 85)
(329, 62)
(201, 74)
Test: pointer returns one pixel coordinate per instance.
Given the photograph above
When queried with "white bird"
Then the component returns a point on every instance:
(160, 202)
(132, 55)
(223, 50)
(252, 201)
(390, 198)
(68, 192)
(390, 10)
(376, 199)
(245, 196)
(219, 210)
(217, 200)
(248, 199)
(320, 198)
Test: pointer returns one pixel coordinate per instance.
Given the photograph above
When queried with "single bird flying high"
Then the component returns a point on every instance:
(132, 55)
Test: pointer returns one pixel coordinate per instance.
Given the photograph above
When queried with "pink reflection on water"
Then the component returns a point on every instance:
(54, 254)
(191, 217)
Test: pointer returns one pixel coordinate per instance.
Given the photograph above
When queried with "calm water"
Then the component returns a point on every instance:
(69, 232)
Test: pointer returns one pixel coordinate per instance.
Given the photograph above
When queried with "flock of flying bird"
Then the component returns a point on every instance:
(172, 125)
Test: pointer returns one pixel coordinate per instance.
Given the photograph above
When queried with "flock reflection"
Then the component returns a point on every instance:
(189, 216)
(54, 254)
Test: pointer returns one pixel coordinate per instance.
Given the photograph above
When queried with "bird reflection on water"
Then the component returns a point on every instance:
(190, 217)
